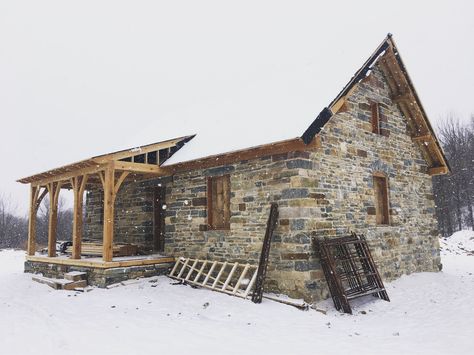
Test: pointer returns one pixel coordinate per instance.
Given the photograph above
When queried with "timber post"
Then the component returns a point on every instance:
(53, 189)
(32, 221)
(109, 199)
(78, 185)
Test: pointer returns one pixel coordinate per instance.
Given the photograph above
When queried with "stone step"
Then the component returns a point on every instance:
(60, 284)
(75, 276)
(75, 284)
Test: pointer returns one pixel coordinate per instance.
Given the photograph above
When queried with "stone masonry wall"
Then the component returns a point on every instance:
(325, 192)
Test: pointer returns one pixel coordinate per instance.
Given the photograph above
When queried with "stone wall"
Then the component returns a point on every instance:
(323, 192)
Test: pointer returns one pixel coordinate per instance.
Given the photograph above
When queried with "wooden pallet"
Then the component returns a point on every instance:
(232, 278)
(350, 270)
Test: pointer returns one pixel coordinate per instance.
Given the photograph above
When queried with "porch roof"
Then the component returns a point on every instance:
(144, 160)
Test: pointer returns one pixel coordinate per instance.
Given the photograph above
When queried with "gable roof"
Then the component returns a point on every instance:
(403, 94)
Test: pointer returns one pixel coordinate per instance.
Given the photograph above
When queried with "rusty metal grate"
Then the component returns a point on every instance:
(350, 270)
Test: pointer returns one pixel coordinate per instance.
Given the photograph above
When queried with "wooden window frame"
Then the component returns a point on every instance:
(382, 217)
(375, 118)
(226, 203)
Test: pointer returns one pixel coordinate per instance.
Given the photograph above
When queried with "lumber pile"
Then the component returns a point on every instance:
(95, 249)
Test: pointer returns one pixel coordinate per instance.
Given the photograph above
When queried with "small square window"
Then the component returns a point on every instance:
(218, 202)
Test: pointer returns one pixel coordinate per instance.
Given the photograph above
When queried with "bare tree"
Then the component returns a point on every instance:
(454, 193)
(13, 229)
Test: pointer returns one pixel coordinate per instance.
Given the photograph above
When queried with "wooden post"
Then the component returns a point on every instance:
(53, 189)
(32, 221)
(109, 199)
(78, 185)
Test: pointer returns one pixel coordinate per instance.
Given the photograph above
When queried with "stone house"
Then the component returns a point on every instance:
(363, 165)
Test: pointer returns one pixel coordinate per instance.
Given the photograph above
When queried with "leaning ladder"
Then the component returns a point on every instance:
(232, 278)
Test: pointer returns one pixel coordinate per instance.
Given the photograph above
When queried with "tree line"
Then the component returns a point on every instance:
(14, 228)
(454, 193)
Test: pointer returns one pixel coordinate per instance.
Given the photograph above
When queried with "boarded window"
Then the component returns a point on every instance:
(375, 117)
(218, 202)
(381, 199)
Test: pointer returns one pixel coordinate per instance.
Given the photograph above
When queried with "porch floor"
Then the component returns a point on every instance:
(97, 262)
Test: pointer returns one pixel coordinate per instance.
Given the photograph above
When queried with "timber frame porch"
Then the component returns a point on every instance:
(108, 172)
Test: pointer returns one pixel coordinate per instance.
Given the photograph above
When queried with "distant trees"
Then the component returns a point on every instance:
(454, 193)
(14, 229)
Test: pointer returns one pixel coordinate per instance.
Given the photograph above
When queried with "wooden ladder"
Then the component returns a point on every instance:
(231, 278)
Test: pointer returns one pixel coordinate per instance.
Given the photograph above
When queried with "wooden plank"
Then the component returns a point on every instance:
(191, 270)
(403, 97)
(213, 266)
(66, 176)
(183, 268)
(204, 264)
(439, 170)
(422, 138)
(229, 277)
(221, 271)
(241, 278)
(140, 168)
(175, 267)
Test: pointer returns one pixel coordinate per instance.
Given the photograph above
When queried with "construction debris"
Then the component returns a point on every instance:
(350, 270)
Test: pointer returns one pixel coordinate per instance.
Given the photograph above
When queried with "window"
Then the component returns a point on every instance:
(381, 199)
(375, 108)
(218, 202)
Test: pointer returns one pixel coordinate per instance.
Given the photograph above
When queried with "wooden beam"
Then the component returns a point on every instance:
(68, 175)
(109, 199)
(139, 167)
(439, 170)
(53, 189)
(422, 138)
(31, 249)
(78, 185)
(403, 97)
(100, 264)
(119, 182)
(292, 145)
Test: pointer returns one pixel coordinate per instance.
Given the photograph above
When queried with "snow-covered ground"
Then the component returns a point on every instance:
(429, 313)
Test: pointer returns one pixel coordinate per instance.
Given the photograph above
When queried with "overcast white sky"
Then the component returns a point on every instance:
(80, 78)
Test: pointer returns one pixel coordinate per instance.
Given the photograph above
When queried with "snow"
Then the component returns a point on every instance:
(428, 313)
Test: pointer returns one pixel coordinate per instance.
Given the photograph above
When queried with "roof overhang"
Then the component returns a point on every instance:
(144, 161)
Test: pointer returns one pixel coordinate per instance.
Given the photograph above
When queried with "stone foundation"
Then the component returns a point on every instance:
(99, 277)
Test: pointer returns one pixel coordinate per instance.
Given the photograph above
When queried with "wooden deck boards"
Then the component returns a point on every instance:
(97, 263)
